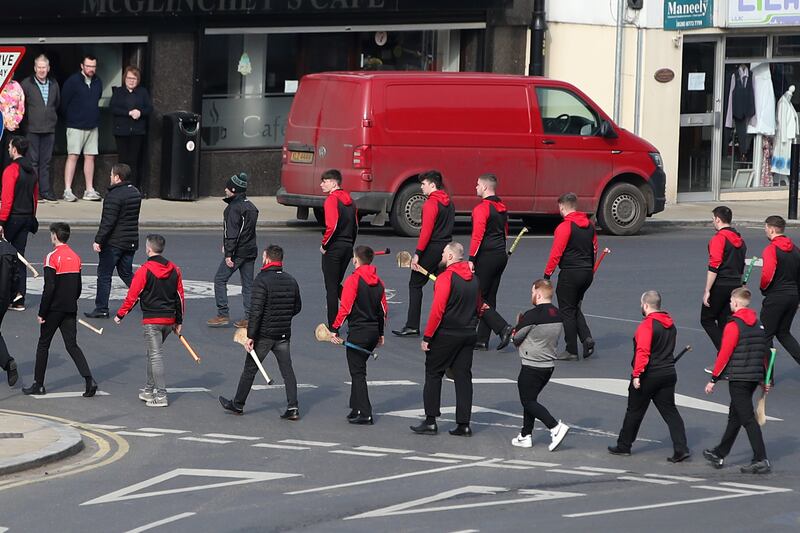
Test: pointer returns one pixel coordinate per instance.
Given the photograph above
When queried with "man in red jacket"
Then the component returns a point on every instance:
(365, 309)
(438, 219)
(653, 379)
(449, 341)
(158, 287)
(780, 285)
(573, 252)
(341, 229)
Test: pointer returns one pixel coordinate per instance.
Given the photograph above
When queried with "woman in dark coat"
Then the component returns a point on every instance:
(130, 105)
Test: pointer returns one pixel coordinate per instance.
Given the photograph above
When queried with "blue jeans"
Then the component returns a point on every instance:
(111, 258)
(224, 273)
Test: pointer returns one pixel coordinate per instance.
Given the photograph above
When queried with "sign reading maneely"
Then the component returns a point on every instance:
(688, 14)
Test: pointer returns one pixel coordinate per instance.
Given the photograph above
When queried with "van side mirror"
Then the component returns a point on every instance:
(607, 131)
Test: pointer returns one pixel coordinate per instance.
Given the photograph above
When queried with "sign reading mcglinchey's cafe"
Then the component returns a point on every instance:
(756, 13)
(680, 15)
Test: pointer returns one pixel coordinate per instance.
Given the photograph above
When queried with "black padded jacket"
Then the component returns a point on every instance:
(119, 223)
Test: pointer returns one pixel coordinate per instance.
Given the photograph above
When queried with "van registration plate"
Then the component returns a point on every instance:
(302, 157)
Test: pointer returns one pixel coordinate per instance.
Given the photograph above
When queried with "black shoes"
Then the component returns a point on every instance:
(481, 346)
(12, 373)
(757, 467)
(588, 347)
(505, 337)
(616, 450)
(91, 388)
(678, 457)
(715, 460)
(353, 414)
(292, 413)
(97, 314)
(362, 420)
(461, 430)
(425, 429)
(34, 390)
(229, 406)
(406, 332)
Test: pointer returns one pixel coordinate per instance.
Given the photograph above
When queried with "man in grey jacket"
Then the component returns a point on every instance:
(536, 335)
(42, 98)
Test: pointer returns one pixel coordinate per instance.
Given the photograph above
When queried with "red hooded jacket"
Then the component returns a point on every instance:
(489, 227)
(363, 301)
(456, 302)
(341, 219)
(158, 287)
(574, 244)
(654, 344)
(438, 219)
(781, 270)
(730, 338)
(726, 254)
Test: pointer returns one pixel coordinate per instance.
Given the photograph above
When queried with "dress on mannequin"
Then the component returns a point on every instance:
(787, 130)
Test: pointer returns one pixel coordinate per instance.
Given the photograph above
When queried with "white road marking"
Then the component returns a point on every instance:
(354, 452)
(507, 466)
(654, 481)
(139, 434)
(431, 459)
(459, 531)
(153, 525)
(676, 478)
(602, 470)
(754, 487)
(172, 390)
(456, 456)
(226, 436)
(383, 450)
(103, 426)
(280, 446)
(636, 321)
(310, 443)
(531, 463)
(3, 529)
(281, 386)
(489, 381)
(161, 430)
(240, 477)
(387, 383)
(725, 489)
(209, 441)
(62, 395)
(573, 472)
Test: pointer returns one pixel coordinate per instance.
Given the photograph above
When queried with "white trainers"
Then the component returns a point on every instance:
(69, 196)
(146, 395)
(557, 434)
(157, 401)
(522, 442)
(91, 195)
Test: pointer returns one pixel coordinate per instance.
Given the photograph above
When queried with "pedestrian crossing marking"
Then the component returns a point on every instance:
(209, 441)
(62, 395)
(282, 386)
(160, 430)
(431, 459)
(532, 463)
(280, 446)
(177, 390)
(227, 436)
(602, 470)
(355, 452)
(574, 472)
(506, 466)
(655, 481)
(677, 478)
(386, 383)
(310, 443)
(139, 434)
(105, 426)
(383, 450)
(456, 456)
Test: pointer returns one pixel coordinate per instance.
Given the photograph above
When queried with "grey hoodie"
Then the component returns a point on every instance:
(537, 335)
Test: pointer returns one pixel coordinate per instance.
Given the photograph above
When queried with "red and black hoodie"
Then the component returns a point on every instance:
(574, 244)
(456, 302)
(341, 219)
(438, 219)
(363, 301)
(62, 281)
(743, 353)
(654, 345)
(781, 271)
(489, 228)
(726, 254)
(20, 190)
(158, 287)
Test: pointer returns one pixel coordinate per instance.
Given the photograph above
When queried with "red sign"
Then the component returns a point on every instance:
(10, 57)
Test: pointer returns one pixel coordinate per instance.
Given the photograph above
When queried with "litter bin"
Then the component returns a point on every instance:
(180, 156)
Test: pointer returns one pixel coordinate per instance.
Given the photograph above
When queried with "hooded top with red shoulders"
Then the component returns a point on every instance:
(341, 219)
(20, 190)
(654, 345)
(438, 219)
(726, 254)
(158, 287)
(489, 227)
(781, 271)
(574, 244)
(456, 302)
(363, 301)
(743, 353)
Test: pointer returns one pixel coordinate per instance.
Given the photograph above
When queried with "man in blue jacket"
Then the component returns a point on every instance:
(80, 98)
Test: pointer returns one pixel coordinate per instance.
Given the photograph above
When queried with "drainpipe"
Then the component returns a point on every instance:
(618, 60)
(638, 99)
(538, 29)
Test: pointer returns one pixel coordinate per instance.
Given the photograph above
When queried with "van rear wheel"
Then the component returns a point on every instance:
(622, 210)
(406, 215)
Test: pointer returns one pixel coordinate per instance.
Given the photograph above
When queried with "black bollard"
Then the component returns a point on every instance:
(793, 178)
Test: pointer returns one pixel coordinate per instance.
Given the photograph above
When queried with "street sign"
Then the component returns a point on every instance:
(682, 15)
(10, 57)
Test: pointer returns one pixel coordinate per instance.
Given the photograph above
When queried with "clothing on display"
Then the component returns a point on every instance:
(741, 106)
(763, 122)
(786, 131)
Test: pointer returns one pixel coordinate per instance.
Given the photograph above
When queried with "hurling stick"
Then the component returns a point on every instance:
(603, 254)
(761, 406)
(189, 349)
(28, 265)
(687, 348)
(82, 322)
(323, 334)
(240, 337)
(749, 270)
(404, 261)
(516, 242)
(383, 252)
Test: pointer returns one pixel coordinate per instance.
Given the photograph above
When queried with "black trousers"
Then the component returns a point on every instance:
(67, 323)
(357, 364)
(16, 232)
(280, 347)
(741, 415)
(661, 391)
(530, 383)
(335, 261)
(454, 352)
(129, 151)
(5, 357)
(429, 260)
(489, 269)
(572, 285)
(714, 317)
(777, 314)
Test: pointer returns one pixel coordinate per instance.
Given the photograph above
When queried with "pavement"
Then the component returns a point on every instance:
(29, 442)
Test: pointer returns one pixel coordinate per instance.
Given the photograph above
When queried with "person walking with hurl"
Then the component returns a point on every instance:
(158, 287)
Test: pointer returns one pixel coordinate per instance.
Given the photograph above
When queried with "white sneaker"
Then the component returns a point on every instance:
(522, 442)
(91, 195)
(157, 401)
(557, 434)
(69, 197)
(146, 395)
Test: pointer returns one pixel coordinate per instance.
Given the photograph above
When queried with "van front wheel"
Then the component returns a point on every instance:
(406, 215)
(622, 210)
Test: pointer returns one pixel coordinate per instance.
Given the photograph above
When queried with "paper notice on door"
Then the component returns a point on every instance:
(697, 81)
(290, 86)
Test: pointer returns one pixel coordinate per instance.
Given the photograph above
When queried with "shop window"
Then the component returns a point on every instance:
(746, 47)
(786, 46)
(563, 113)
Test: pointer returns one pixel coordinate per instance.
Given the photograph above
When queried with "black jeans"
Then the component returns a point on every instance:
(129, 151)
(429, 260)
(660, 389)
(335, 261)
(40, 153)
(777, 314)
(5, 357)
(454, 352)
(109, 259)
(741, 415)
(530, 383)
(280, 348)
(357, 364)
(67, 323)
(489, 269)
(572, 285)
(16, 232)
(714, 317)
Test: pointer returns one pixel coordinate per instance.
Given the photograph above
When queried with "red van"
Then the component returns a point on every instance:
(540, 137)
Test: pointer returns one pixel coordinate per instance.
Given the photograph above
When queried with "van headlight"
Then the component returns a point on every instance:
(656, 157)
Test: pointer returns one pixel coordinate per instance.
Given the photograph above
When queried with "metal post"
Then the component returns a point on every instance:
(618, 60)
(638, 98)
(793, 178)
(538, 29)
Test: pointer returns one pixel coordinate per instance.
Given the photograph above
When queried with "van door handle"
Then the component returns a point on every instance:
(548, 141)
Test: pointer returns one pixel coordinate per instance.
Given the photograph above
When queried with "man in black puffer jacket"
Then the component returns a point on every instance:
(275, 301)
(117, 237)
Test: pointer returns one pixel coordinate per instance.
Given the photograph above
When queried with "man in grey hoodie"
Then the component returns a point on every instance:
(536, 335)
